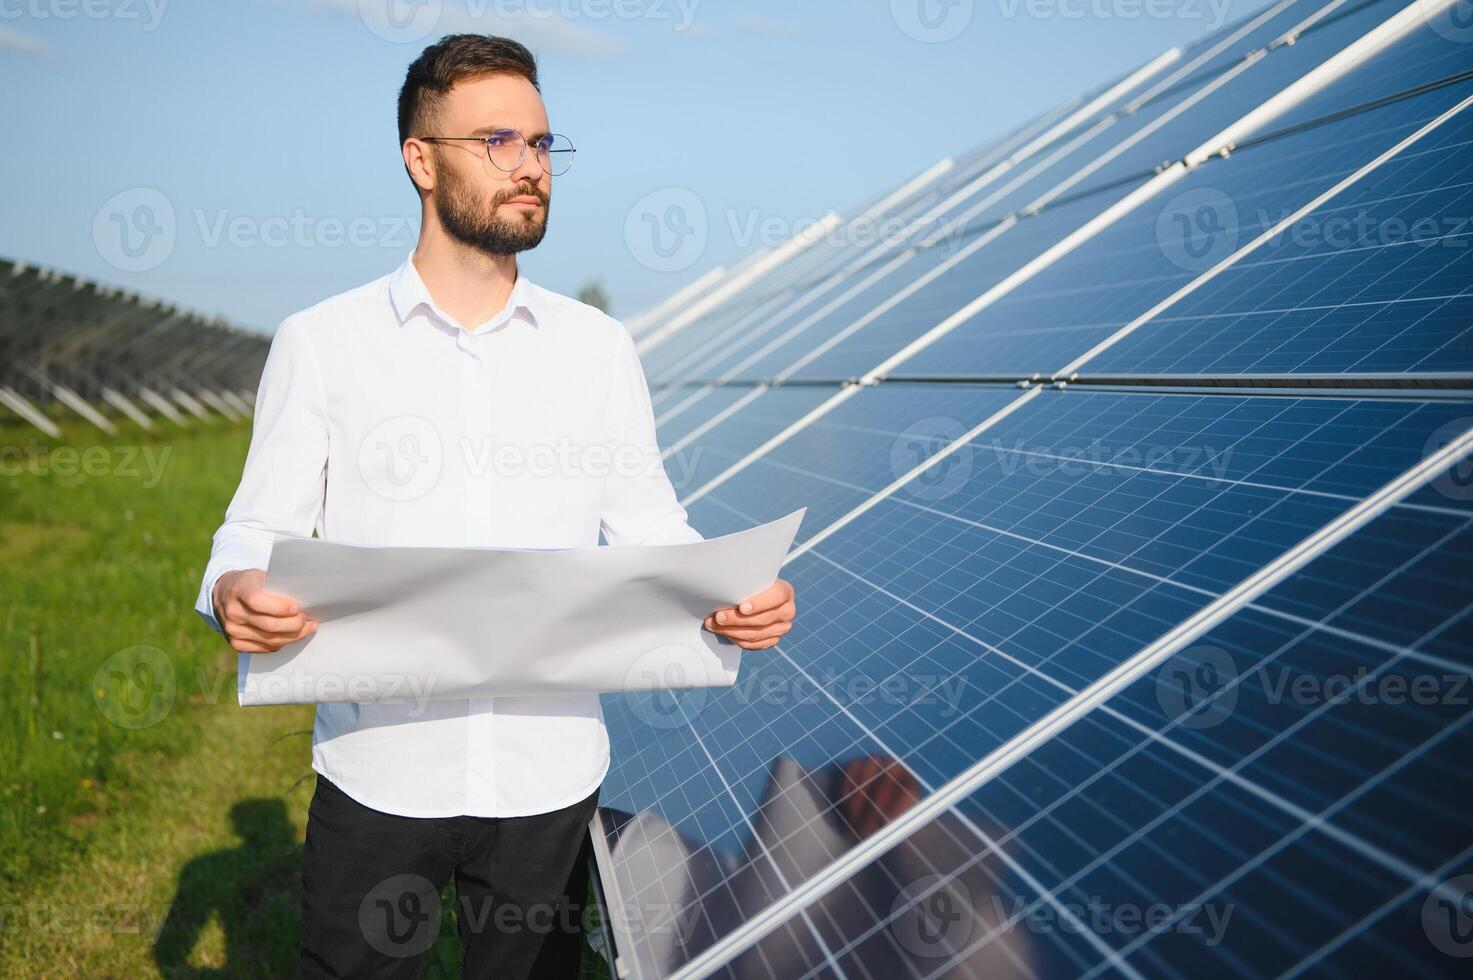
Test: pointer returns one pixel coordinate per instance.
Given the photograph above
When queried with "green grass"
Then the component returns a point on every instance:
(148, 825)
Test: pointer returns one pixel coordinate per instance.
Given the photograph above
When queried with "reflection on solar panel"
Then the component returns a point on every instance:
(1135, 606)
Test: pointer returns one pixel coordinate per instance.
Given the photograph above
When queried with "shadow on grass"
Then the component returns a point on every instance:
(254, 889)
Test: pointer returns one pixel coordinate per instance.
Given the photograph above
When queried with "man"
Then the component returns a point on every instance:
(386, 416)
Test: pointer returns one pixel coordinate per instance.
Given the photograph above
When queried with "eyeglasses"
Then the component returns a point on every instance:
(507, 149)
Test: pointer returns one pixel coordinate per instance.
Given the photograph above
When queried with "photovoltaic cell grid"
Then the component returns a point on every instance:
(1227, 790)
(1255, 790)
(1052, 549)
(1120, 157)
(1348, 287)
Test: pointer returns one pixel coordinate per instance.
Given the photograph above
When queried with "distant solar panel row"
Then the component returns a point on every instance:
(1162, 671)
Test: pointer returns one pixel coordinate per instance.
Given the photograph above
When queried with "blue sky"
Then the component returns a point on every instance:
(240, 157)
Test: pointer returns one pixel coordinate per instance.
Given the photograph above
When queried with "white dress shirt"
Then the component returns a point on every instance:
(380, 420)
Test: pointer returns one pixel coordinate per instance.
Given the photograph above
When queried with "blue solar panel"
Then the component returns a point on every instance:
(1088, 525)
(672, 425)
(836, 463)
(945, 614)
(1312, 299)
(1287, 793)
(704, 456)
(1377, 280)
(1179, 135)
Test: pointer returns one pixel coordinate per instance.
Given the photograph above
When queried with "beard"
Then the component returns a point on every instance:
(467, 218)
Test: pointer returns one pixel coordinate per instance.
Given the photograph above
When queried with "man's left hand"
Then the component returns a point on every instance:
(758, 621)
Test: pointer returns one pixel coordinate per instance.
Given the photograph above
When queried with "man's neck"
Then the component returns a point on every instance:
(469, 285)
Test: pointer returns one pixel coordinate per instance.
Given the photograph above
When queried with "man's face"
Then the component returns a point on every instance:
(480, 205)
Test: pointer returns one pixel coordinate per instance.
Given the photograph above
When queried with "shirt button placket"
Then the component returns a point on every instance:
(475, 417)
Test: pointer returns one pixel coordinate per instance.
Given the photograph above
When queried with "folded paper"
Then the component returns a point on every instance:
(415, 624)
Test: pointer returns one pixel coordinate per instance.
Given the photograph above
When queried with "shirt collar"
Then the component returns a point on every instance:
(408, 292)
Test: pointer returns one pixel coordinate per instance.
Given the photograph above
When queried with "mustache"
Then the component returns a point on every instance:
(525, 190)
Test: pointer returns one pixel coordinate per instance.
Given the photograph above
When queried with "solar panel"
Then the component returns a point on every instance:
(723, 439)
(1229, 98)
(1048, 556)
(1244, 810)
(839, 461)
(1221, 207)
(1059, 698)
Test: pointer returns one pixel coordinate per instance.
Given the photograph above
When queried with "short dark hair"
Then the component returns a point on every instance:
(451, 59)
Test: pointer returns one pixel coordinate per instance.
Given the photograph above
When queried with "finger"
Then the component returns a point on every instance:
(771, 597)
(270, 641)
(755, 633)
(270, 603)
(275, 625)
(764, 617)
(758, 644)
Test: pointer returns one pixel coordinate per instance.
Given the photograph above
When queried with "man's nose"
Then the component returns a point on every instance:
(530, 170)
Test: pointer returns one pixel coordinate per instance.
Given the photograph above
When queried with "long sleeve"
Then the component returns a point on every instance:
(640, 505)
(283, 483)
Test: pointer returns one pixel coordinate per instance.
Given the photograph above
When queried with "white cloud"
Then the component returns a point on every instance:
(558, 27)
(23, 43)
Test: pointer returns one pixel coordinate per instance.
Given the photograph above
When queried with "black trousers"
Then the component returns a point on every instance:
(371, 884)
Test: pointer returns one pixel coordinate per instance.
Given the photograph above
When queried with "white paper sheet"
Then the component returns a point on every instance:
(416, 624)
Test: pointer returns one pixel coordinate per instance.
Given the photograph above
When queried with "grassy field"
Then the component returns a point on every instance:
(149, 825)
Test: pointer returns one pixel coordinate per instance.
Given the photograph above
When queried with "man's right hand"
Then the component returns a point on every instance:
(254, 620)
